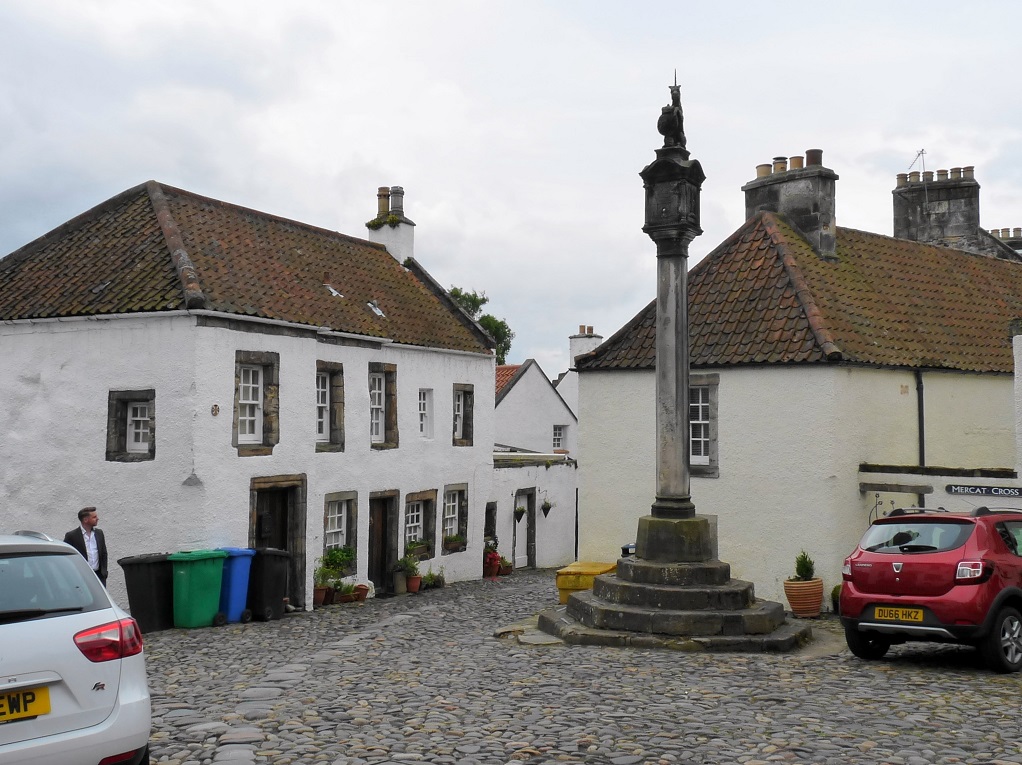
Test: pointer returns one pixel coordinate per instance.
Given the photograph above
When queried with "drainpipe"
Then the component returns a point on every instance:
(920, 416)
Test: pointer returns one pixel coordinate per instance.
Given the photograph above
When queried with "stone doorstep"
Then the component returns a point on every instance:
(788, 637)
(579, 576)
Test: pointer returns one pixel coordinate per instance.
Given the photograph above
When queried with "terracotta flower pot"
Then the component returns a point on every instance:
(413, 583)
(361, 591)
(504, 570)
(490, 570)
(804, 598)
(319, 594)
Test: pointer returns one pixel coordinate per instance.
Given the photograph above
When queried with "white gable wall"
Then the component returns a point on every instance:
(56, 379)
(528, 411)
(790, 443)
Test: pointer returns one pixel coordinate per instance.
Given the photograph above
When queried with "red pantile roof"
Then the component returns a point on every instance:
(764, 297)
(158, 248)
(505, 373)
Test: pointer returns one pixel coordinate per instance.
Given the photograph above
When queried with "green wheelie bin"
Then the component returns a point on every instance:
(197, 578)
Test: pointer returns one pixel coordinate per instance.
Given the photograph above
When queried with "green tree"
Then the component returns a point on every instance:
(473, 303)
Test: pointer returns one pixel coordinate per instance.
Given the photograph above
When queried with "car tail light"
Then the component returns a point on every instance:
(973, 571)
(846, 569)
(116, 640)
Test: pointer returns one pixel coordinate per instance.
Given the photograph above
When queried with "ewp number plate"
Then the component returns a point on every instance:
(27, 702)
(883, 614)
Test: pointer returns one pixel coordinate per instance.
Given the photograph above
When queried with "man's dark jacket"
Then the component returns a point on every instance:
(76, 539)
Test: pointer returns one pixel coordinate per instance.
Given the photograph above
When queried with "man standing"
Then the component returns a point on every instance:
(89, 541)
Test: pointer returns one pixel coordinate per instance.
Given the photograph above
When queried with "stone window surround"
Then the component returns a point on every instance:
(712, 382)
(390, 432)
(467, 414)
(335, 388)
(428, 499)
(462, 489)
(117, 425)
(270, 362)
(350, 522)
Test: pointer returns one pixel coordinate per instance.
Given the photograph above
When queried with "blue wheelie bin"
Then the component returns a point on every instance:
(234, 586)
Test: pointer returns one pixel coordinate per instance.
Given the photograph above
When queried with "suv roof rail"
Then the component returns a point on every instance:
(913, 510)
(984, 510)
(34, 535)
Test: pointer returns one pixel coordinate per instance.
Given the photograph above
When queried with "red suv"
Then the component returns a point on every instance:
(924, 574)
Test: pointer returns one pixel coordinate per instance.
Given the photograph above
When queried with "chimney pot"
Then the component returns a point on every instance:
(913, 177)
(382, 201)
(762, 171)
(397, 200)
(1016, 233)
(1005, 233)
(796, 163)
(589, 329)
(814, 157)
(927, 176)
(581, 329)
(780, 164)
(902, 179)
(969, 173)
(942, 175)
(956, 173)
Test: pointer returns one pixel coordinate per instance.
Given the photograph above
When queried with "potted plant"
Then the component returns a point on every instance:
(545, 507)
(409, 566)
(454, 542)
(505, 567)
(491, 563)
(519, 512)
(361, 592)
(321, 578)
(344, 592)
(340, 560)
(804, 591)
(417, 548)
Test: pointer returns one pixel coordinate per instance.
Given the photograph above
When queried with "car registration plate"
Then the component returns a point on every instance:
(26, 702)
(885, 614)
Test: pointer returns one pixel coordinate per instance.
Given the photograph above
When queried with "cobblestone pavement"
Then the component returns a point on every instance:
(422, 678)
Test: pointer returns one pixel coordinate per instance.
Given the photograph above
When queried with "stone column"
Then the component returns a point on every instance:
(672, 183)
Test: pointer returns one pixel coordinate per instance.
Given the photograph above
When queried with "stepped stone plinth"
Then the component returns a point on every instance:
(690, 604)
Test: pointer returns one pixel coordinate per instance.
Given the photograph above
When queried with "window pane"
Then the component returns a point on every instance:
(413, 522)
(138, 427)
(322, 406)
(450, 519)
(376, 408)
(426, 412)
(699, 424)
(459, 409)
(336, 520)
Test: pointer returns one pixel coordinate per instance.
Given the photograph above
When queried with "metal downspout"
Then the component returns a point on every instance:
(921, 417)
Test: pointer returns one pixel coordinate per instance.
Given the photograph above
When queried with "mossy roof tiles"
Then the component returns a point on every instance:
(158, 248)
(765, 297)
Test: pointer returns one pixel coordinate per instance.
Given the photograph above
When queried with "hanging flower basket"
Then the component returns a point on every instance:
(545, 507)
(519, 512)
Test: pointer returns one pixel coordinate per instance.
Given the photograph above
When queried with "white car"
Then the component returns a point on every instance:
(73, 686)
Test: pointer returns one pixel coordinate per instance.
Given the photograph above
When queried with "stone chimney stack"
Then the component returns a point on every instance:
(942, 211)
(803, 192)
(585, 341)
(390, 227)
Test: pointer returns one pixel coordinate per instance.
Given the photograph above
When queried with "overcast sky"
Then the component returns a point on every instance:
(517, 128)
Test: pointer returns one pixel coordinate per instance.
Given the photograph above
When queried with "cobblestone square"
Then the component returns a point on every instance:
(422, 678)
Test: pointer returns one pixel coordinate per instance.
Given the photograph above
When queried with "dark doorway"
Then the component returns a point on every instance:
(383, 527)
(277, 520)
(524, 542)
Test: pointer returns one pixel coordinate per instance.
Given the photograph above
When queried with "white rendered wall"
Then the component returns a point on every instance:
(196, 493)
(789, 445)
(527, 413)
(555, 532)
